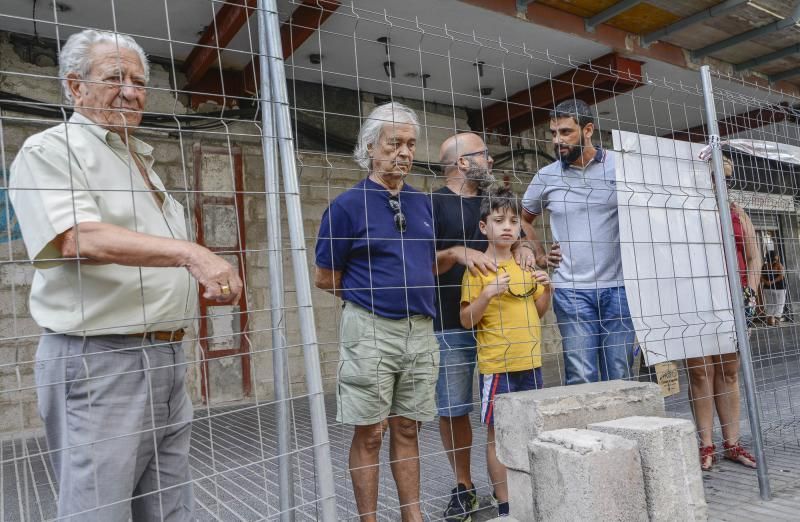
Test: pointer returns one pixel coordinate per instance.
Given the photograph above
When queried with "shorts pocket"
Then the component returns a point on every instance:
(351, 330)
(358, 360)
(426, 368)
(361, 372)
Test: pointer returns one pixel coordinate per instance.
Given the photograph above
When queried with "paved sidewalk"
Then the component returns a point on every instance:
(235, 469)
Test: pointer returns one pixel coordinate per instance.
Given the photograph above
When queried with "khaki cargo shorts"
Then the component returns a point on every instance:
(386, 367)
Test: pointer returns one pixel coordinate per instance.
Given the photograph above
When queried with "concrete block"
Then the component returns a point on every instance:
(670, 462)
(520, 495)
(586, 475)
(521, 417)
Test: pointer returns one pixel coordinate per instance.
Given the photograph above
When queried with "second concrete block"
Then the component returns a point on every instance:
(672, 478)
(586, 475)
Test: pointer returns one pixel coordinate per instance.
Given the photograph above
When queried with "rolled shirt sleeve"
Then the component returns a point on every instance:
(50, 195)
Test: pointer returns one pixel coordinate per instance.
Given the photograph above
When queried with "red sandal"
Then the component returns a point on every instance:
(737, 453)
(707, 457)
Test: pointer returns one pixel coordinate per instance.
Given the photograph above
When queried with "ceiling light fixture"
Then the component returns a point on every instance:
(385, 41)
(486, 91)
(423, 76)
(479, 65)
(315, 58)
(388, 65)
(61, 7)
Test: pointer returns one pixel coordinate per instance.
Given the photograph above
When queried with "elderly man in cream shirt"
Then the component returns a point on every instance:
(114, 289)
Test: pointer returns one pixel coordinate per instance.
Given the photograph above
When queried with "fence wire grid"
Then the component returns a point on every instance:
(254, 142)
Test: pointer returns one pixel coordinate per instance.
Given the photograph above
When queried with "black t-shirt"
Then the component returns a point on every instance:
(455, 221)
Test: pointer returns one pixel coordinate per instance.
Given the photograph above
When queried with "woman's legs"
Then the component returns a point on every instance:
(714, 381)
(701, 395)
(726, 395)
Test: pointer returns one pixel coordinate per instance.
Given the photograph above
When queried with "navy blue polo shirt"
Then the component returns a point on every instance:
(384, 271)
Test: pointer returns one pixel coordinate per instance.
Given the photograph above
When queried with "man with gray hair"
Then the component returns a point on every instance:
(115, 288)
(375, 250)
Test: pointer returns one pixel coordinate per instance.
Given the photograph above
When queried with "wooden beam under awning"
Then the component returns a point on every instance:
(304, 22)
(601, 79)
(731, 125)
(227, 23)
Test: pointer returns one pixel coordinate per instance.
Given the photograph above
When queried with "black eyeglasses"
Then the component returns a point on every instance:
(484, 153)
(529, 291)
(399, 217)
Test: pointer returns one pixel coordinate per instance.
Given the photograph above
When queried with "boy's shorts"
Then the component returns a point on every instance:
(494, 384)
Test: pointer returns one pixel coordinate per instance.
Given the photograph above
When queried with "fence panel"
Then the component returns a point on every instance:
(255, 143)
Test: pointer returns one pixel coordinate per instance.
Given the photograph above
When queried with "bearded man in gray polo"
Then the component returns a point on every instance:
(114, 289)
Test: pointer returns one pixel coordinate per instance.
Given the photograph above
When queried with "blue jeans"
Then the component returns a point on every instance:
(457, 357)
(597, 332)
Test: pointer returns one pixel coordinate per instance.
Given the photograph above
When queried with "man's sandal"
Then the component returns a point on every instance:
(737, 453)
(707, 457)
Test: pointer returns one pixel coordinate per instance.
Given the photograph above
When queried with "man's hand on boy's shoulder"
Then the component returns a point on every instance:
(525, 257)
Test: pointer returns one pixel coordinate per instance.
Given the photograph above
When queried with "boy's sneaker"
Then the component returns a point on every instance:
(463, 502)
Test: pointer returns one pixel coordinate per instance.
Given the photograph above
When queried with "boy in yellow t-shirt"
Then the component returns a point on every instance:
(504, 307)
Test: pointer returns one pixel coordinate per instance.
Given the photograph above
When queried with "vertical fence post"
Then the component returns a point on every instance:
(323, 466)
(737, 300)
(276, 296)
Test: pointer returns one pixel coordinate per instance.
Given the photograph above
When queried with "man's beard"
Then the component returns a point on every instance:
(481, 177)
(574, 153)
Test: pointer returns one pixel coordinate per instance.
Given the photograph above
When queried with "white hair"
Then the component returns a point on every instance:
(370, 132)
(75, 56)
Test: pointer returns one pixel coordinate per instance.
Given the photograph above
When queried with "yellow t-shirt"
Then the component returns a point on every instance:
(509, 332)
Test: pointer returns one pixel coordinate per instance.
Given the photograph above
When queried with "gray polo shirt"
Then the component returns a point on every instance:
(583, 218)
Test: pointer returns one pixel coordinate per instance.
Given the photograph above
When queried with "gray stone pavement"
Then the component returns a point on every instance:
(235, 468)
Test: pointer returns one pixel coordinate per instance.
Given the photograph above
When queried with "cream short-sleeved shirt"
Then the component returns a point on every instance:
(79, 172)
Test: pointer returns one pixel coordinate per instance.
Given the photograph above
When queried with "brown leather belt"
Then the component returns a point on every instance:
(167, 337)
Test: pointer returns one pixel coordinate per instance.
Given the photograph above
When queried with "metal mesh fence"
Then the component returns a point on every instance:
(252, 406)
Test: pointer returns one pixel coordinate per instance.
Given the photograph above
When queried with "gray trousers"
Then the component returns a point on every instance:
(118, 421)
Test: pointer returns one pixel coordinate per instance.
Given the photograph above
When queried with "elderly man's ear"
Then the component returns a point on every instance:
(74, 85)
(370, 150)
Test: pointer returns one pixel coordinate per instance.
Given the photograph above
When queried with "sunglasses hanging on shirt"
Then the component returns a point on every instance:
(399, 217)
